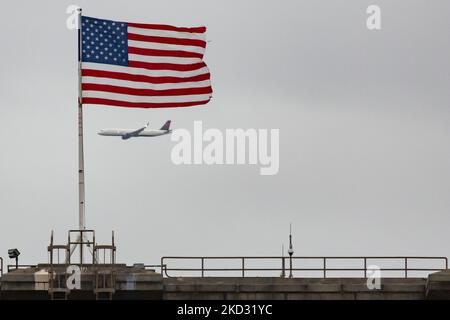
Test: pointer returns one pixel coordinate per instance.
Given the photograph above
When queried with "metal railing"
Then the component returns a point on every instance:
(324, 269)
(12, 267)
(1, 267)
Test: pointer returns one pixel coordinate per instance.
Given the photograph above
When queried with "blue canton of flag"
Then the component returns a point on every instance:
(104, 41)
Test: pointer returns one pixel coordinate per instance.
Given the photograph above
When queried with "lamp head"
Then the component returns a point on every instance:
(13, 253)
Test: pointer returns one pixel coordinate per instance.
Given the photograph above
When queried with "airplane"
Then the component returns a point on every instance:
(141, 132)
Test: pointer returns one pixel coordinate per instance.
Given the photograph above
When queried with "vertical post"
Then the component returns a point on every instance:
(81, 209)
(113, 259)
(243, 267)
(203, 267)
(283, 268)
(290, 266)
(324, 268)
(365, 268)
(406, 267)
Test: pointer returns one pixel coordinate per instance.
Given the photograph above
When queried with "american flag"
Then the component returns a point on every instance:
(143, 65)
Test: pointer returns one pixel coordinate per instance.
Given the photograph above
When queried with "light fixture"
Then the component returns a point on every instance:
(14, 254)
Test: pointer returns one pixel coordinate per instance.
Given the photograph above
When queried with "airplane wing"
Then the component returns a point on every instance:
(136, 132)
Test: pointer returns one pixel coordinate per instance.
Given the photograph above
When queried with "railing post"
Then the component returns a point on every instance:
(324, 267)
(243, 267)
(203, 266)
(406, 267)
(365, 268)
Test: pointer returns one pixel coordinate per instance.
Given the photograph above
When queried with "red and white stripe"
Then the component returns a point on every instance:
(165, 69)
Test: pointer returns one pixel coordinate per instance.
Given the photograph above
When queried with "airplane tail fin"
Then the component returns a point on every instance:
(166, 126)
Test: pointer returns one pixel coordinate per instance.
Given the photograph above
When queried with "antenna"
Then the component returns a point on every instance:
(291, 248)
(290, 251)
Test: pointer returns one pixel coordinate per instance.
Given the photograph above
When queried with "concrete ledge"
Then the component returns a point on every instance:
(135, 283)
(286, 289)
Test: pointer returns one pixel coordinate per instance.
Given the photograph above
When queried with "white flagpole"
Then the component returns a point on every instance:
(81, 192)
(81, 208)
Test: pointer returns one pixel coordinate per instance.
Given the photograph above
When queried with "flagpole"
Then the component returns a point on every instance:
(81, 207)
(81, 192)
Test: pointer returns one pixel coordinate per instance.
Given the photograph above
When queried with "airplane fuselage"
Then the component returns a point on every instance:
(126, 133)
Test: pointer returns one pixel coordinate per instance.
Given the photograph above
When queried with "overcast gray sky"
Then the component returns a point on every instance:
(364, 133)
